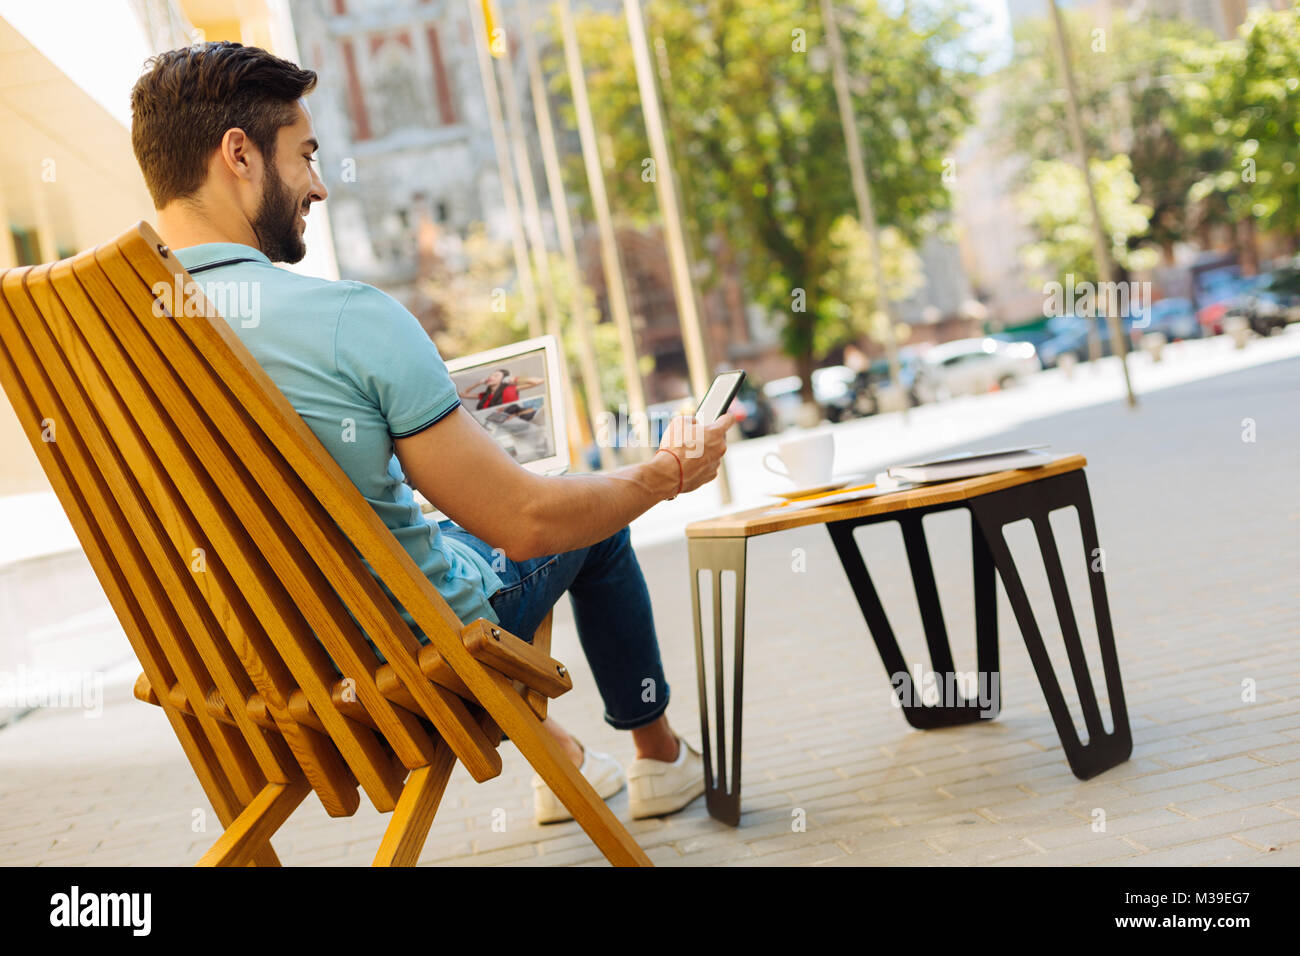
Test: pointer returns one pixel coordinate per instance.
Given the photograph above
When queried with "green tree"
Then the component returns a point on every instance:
(849, 284)
(1056, 204)
(1135, 80)
(1217, 195)
(751, 111)
(1262, 112)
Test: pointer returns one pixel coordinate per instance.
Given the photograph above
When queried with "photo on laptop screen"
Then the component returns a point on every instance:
(513, 392)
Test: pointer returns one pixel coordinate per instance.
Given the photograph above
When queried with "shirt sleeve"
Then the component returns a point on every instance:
(382, 349)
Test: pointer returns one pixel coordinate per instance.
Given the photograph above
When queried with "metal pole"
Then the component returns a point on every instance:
(666, 193)
(688, 245)
(861, 189)
(560, 209)
(479, 16)
(615, 288)
(1101, 250)
(537, 239)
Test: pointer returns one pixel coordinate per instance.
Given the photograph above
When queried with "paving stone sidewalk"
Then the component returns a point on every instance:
(1201, 531)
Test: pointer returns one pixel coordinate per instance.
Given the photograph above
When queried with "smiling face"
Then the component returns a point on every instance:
(289, 185)
(224, 140)
(496, 378)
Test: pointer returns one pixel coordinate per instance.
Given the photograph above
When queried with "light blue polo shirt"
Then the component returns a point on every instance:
(361, 371)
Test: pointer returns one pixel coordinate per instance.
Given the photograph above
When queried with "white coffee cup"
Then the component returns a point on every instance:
(808, 458)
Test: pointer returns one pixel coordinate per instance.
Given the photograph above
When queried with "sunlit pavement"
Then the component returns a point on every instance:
(1201, 531)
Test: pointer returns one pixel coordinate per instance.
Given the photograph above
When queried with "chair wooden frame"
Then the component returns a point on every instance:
(234, 551)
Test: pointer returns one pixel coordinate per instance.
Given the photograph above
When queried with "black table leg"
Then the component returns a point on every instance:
(1036, 501)
(717, 555)
(953, 707)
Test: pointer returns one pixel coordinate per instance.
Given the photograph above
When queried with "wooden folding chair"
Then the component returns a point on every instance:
(230, 544)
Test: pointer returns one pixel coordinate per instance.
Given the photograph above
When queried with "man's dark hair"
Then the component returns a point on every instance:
(186, 100)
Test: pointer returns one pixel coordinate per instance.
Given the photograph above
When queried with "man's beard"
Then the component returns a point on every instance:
(276, 221)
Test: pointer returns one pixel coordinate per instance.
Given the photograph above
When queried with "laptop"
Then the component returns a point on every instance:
(514, 392)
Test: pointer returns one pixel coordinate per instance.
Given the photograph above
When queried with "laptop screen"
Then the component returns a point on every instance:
(513, 392)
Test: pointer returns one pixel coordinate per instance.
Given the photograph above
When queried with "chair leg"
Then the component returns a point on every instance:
(415, 810)
(553, 765)
(265, 856)
(252, 830)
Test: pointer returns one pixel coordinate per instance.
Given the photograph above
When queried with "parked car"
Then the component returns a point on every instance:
(841, 393)
(783, 395)
(844, 393)
(833, 391)
(917, 379)
(1216, 300)
(1071, 338)
(621, 432)
(1174, 317)
(1270, 303)
(755, 415)
(1035, 336)
(973, 366)
(830, 392)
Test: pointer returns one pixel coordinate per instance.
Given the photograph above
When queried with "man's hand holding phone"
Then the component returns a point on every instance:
(698, 449)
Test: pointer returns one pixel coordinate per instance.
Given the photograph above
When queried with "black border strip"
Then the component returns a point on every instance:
(429, 424)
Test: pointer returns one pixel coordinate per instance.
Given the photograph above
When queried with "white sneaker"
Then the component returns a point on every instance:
(603, 772)
(657, 788)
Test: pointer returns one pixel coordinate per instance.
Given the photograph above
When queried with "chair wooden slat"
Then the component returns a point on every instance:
(255, 824)
(109, 545)
(318, 758)
(516, 658)
(537, 701)
(177, 442)
(55, 390)
(308, 518)
(216, 653)
(229, 359)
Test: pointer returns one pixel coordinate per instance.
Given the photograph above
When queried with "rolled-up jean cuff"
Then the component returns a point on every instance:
(640, 722)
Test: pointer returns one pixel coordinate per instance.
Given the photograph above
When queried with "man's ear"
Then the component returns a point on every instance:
(238, 154)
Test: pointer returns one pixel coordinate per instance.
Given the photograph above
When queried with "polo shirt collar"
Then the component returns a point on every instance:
(212, 253)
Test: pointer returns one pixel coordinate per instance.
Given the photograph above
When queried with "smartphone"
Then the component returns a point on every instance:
(719, 397)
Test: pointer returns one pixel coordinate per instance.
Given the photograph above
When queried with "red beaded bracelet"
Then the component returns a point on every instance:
(681, 473)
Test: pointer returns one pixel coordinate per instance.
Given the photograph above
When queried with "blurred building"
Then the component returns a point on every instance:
(403, 128)
(68, 181)
(991, 226)
(68, 176)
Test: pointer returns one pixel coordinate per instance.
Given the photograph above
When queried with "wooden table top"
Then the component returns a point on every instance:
(775, 517)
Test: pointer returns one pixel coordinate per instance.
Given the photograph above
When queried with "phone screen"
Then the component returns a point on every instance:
(719, 396)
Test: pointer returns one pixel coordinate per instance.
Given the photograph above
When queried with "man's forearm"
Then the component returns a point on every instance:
(574, 511)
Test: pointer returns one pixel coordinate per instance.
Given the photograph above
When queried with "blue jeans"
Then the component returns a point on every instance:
(611, 606)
